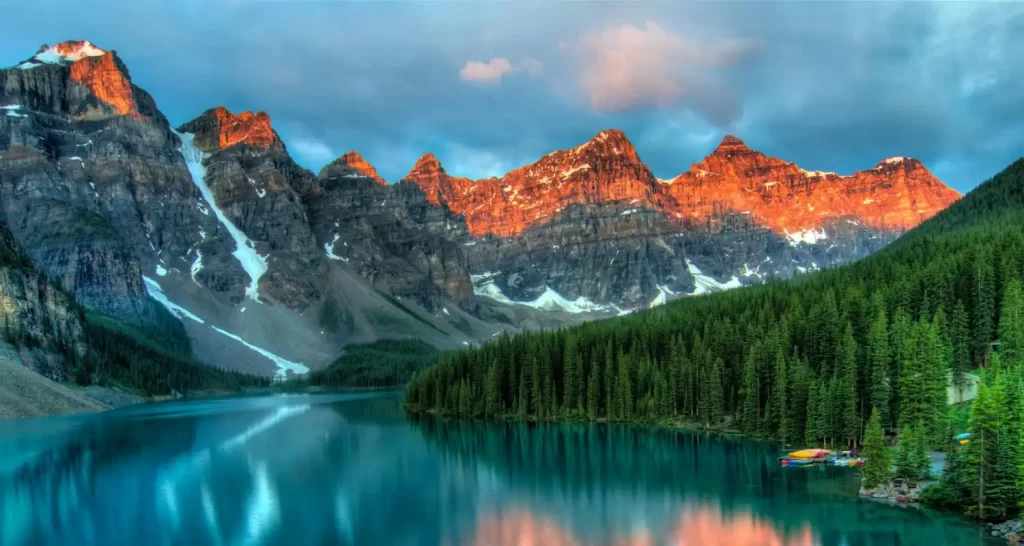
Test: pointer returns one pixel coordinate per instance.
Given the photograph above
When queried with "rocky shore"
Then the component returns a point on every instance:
(1011, 530)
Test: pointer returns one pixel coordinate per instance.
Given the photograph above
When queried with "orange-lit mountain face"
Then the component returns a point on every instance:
(98, 70)
(352, 164)
(896, 195)
(218, 128)
(606, 169)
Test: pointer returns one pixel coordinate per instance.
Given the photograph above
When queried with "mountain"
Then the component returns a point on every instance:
(736, 217)
(273, 269)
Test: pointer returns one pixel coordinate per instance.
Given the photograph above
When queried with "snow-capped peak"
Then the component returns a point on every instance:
(70, 51)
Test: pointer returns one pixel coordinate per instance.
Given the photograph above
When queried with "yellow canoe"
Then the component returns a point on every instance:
(810, 454)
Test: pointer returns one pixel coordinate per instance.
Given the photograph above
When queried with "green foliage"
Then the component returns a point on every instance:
(877, 467)
(151, 360)
(912, 460)
(384, 363)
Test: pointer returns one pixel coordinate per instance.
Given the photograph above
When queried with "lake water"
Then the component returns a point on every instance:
(352, 469)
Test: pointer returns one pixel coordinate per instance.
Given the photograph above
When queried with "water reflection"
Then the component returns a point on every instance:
(351, 470)
(696, 525)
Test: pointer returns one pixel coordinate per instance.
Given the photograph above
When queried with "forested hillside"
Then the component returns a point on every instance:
(805, 361)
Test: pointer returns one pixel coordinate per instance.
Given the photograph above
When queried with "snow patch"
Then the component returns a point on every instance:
(329, 249)
(161, 271)
(807, 236)
(445, 311)
(893, 160)
(13, 114)
(663, 293)
(252, 262)
(706, 284)
(548, 301)
(50, 55)
(156, 292)
(283, 365)
(11, 107)
(574, 170)
(197, 265)
(812, 174)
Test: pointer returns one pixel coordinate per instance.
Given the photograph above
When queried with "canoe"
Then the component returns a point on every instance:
(810, 454)
(801, 462)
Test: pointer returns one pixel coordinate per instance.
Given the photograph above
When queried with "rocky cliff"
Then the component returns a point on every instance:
(736, 217)
(41, 326)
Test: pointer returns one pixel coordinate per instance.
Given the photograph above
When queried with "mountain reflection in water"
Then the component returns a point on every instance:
(696, 526)
(353, 470)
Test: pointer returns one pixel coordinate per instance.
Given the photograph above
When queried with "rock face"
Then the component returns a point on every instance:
(391, 235)
(736, 217)
(896, 195)
(42, 326)
(86, 189)
(253, 182)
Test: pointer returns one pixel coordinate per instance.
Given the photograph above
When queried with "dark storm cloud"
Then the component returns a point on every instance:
(833, 86)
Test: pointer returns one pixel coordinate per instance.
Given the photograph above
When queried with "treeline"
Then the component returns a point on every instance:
(384, 363)
(806, 361)
(151, 360)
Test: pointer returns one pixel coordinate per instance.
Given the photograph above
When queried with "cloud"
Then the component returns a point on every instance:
(493, 70)
(629, 67)
(310, 150)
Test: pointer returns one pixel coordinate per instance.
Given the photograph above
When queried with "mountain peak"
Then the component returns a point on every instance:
(65, 52)
(426, 165)
(352, 164)
(609, 142)
(219, 128)
(731, 144)
(897, 162)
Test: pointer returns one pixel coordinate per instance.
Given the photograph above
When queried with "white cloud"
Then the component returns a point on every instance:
(492, 71)
(312, 150)
(628, 66)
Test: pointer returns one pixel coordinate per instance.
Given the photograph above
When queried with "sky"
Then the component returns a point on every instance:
(489, 86)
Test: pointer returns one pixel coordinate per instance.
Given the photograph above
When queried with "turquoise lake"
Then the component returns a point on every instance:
(352, 469)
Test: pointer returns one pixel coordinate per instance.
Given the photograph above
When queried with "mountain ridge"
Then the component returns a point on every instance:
(256, 255)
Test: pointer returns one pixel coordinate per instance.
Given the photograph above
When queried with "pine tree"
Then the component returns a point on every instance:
(812, 428)
(878, 362)
(750, 392)
(984, 307)
(846, 406)
(960, 365)
(1011, 324)
(877, 468)
(983, 451)
(780, 410)
(493, 393)
(594, 391)
(717, 397)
